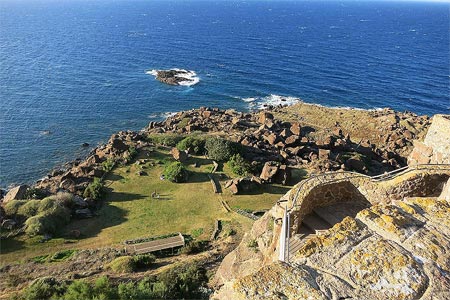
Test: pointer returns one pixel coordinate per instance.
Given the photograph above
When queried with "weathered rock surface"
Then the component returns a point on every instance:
(174, 76)
(16, 193)
(389, 251)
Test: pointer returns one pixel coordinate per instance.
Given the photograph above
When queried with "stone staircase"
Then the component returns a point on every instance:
(320, 220)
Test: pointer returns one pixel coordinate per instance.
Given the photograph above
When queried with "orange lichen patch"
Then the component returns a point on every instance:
(407, 208)
(389, 218)
(379, 266)
(337, 234)
(279, 280)
(434, 207)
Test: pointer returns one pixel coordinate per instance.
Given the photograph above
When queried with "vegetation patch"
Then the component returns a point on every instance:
(239, 166)
(165, 139)
(175, 172)
(128, 264)
(193, 143)
(220, 149)
(95, 189)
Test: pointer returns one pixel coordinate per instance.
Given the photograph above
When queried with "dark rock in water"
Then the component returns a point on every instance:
(175, 76)
(85, 145)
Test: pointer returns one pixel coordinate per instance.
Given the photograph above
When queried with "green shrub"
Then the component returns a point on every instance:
(165, 139)
(175, 172)
(195, 233)
(46, 204)
(132, 152)
(182, 282)
(108, 164)
(43, 288)
(94, 190)
(29, 209)
(50, 221)
(35, 193)
(196, 144)
(104, 290)
(62, 255)
(12, 207)
(253, 244)
(239, 166)
(229, 232)
(123, 264)
(194, 247)
(220, 149)
(63, 198)
(143, 260)
(79, 289)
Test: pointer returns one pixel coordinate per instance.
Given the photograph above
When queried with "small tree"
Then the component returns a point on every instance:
(220, 149)
(196, 144)
(239, 165)
(175, 172)
(94, 190)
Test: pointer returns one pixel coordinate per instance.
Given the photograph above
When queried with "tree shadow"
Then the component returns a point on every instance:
(305, 130)
(196, 177)
(9, 245)
(113, 196)
(114, 177)
(107, 216)
(265, 188)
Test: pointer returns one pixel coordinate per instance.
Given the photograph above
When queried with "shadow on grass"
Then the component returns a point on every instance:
(107, 216)
(112, 196)
(266, 188)
(197, 177)
(10, 245)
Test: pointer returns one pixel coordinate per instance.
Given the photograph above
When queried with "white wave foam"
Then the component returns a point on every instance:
(190, 76)
(271, 100)
(162, 115)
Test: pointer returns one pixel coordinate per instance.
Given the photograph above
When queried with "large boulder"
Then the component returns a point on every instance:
(269, 170)
(119, 145)
(265, 117)
(179, 155)
(16, 193)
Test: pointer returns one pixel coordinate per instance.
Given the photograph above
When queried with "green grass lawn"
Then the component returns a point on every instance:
(130, 212)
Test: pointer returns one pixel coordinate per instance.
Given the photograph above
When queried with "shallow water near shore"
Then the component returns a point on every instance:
(75, 71)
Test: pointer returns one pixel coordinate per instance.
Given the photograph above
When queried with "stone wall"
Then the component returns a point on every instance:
(435, 149)
(427, 181)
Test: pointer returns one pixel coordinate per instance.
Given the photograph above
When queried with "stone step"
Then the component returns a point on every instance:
(314, 222)
(295, 243)
(325, 214)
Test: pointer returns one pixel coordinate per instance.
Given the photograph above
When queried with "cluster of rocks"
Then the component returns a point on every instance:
(78, 174)
(266, 138)
(174, 76)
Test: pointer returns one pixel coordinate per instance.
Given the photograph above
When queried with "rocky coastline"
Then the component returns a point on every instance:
(267, 137)
(278, 139)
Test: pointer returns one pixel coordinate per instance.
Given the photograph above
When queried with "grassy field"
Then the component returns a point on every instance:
(129, 211)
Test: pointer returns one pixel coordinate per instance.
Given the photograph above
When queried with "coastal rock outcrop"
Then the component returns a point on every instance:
(175, 76)
(16, 193)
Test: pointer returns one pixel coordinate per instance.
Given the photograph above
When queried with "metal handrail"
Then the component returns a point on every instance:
(381, 177)
(284, 239)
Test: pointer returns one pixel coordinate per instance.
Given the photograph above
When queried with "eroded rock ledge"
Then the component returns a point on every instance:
(389, 251)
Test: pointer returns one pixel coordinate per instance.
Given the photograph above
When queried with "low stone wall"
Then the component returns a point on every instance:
(331, 188)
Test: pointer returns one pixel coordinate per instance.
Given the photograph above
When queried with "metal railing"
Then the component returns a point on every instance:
(285, 229)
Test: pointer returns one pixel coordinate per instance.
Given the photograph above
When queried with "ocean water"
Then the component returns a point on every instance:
(74, 71)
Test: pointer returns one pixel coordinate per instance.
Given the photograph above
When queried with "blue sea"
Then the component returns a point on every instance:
(74, 71)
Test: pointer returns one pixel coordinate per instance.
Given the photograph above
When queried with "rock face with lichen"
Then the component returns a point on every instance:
(399, 250)
(398, 247)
